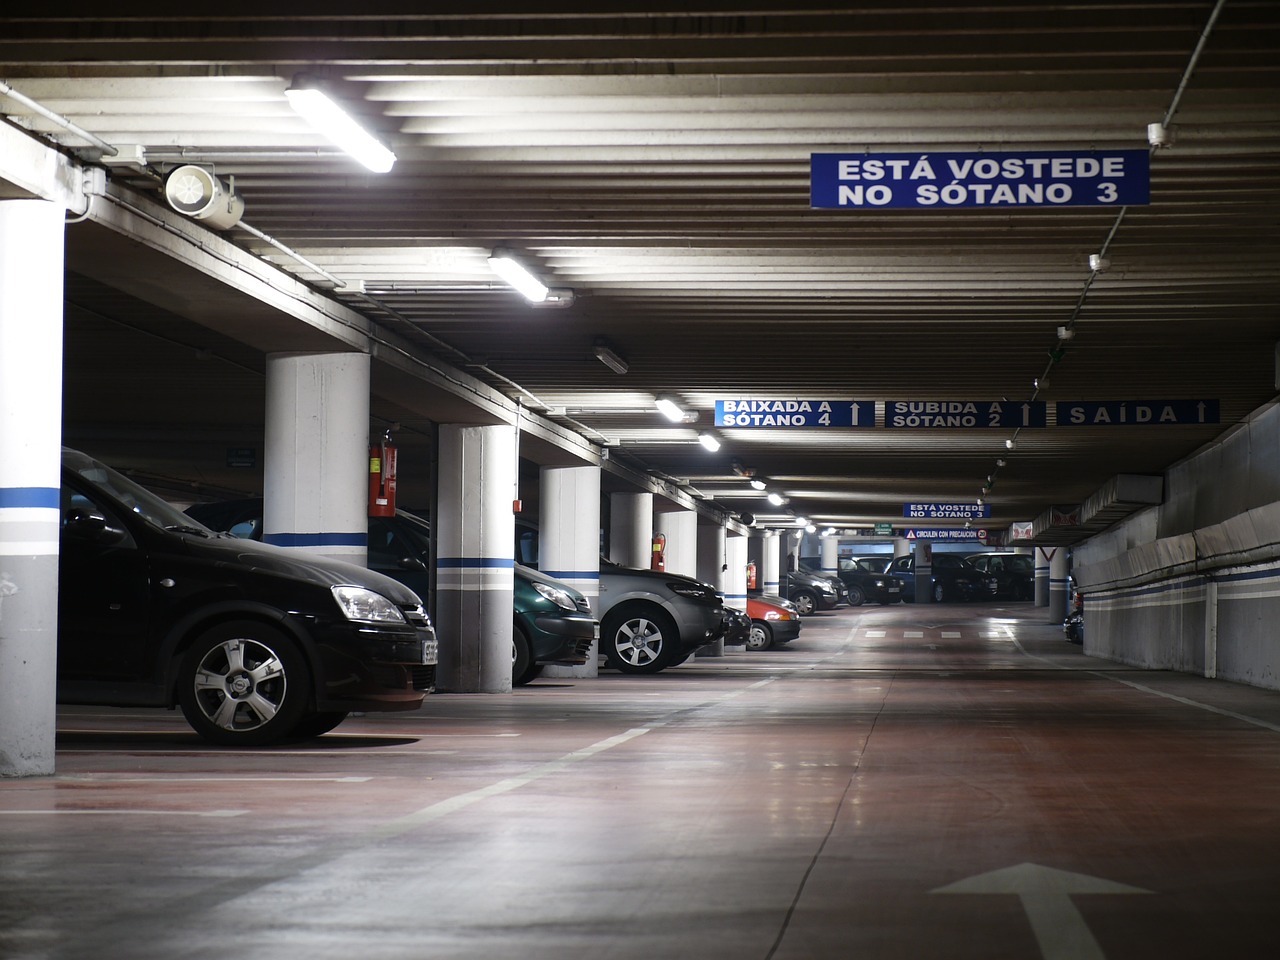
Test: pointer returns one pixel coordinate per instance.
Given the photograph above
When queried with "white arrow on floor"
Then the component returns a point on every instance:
(1046, 896)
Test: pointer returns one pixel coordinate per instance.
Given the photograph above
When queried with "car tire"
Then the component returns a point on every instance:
(939, 593)
(639, 638)
(806, 602)
(244, 684)
(760, 637)
(857, 596)
(523, 666)
(317, 724)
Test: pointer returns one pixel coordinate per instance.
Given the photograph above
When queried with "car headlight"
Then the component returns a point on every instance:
(772, 615)
(879, 584)
(556, 596)
(360, 603)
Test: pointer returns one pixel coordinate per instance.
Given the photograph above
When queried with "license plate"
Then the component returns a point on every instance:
(430, 652)
(895, 589)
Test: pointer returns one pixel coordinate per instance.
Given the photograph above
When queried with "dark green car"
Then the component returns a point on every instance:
(552, 622)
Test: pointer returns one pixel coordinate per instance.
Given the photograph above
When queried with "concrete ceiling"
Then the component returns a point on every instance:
(657, 163)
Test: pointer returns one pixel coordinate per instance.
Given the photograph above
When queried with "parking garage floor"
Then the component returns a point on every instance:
(910, 782)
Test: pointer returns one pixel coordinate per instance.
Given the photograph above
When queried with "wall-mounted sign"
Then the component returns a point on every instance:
(1141, 413)
(946, 511)
(943, 414)
(938, 181)
(884, 530)
(795, 413)
(945, 534)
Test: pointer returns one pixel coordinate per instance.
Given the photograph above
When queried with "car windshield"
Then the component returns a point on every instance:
(142, 502)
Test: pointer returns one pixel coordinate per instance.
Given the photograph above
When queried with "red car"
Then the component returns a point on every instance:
(773, 621)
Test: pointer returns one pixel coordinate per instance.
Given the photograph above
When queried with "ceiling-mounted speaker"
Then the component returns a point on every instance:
(197, 193)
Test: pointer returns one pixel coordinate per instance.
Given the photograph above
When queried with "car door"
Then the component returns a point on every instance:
(104, 602)
(905, 567)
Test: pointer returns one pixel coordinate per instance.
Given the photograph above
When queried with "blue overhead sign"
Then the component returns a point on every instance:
(946, 511)
(941, 414)
(1140, 413)
(795, 413)
(1025, 178)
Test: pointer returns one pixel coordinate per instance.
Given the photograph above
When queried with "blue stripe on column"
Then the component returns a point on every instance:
(317, 539)
(26, 497)
(446, 563)
(573, 574)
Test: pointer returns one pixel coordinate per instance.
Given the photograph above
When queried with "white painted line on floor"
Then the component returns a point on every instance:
(875, 633)
(123, 813)
(914, 634)
(950, 634)
(211, 778)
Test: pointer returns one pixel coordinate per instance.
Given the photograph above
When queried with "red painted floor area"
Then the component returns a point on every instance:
(911, 782)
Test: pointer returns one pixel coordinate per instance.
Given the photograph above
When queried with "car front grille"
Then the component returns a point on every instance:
(424, 677)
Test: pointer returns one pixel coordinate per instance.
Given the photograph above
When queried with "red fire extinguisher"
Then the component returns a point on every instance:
(382, 479)
(659, 559)
(751, 575)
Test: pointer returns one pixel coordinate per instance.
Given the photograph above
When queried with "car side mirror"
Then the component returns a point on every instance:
(411, 563)
(90, 527)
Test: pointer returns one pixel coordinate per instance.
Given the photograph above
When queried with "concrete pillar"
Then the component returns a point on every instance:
(924, 572)
(631, 529)
(316, 466)
(569, 542)
(901, 547)
(735, 578)
(31, 263)
(830, 556)
(681, 530)
(769, 582)
(1058, 568)
(712, 568)
(475, 530)
(1043, 557)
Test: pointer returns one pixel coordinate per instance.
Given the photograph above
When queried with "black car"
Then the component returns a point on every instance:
(553, 622)
(811, 591)
(255, 643)
(1010, 576)
(953, 578)
(864, 580)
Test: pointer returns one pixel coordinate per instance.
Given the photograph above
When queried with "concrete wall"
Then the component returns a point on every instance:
(1194, 584)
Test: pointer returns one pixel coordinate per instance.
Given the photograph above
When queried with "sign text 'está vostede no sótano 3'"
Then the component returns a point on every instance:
(1046, 178)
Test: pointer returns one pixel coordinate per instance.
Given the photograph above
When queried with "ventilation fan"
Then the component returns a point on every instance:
(197, 193)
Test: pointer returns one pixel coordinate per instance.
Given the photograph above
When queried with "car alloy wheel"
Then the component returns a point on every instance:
(244, 684)
(856, 596)
(638, 639)
(805, 602)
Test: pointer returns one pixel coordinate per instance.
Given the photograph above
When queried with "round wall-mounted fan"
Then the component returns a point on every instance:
(197, 193)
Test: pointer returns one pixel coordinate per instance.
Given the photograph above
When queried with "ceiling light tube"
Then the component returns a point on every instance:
(506, 266)
(669, 409)
(777, 499)
(337, 126)
(709, 441)
(757, 484)
(610, 359)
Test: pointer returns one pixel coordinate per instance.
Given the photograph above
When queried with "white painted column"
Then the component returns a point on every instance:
(830, 556)
(770, 577)
(475, 531)
(631, 529)
(681, 529)
(569, 543)
(1058, 586)
(1043, 558)
(31, 264)
(712, 568)
(735, 578)
(316, 467)
(901, 548)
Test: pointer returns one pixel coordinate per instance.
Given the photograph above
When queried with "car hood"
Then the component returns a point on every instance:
(608, 566)
(295, 565)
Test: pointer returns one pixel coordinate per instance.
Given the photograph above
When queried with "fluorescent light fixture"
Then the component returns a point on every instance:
(670, 409)
(777, 499)
(709, 441)
(337, 126)
(757, 483)
(1011, 444)
(610, 359)
(506, 266)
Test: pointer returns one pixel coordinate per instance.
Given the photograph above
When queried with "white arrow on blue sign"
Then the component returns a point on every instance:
(795, 413)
